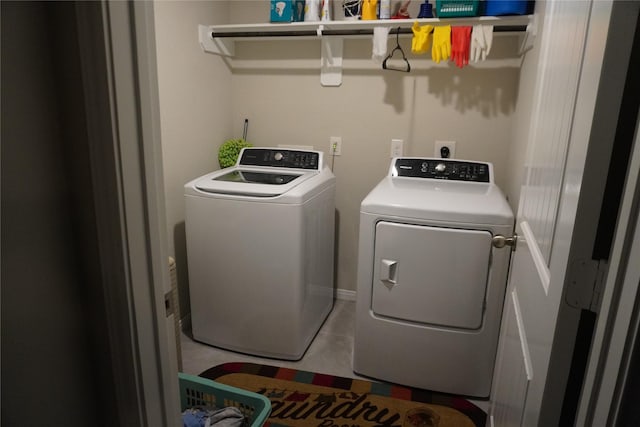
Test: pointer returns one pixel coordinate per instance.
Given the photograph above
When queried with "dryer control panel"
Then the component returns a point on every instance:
(281, 158)
(445, 169)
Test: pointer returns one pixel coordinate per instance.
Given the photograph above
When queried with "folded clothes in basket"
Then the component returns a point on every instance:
(201, 417)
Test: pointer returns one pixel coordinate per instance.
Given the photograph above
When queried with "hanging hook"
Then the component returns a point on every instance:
(407, 67)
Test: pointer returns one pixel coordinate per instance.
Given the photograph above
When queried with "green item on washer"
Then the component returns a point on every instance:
(229, 151)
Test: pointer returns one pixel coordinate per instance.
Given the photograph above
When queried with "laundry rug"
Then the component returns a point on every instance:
(307, 399)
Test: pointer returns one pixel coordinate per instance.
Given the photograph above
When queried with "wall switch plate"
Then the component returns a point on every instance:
(445, 149)
(397, 148)
(335, 145)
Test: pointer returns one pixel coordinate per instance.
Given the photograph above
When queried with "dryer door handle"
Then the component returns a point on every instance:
(388, 272)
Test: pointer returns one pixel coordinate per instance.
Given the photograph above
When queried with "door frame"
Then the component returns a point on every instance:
(116, 41)
(617, 327)
(574, 352)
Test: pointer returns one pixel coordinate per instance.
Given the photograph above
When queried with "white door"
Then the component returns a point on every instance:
(572, 50)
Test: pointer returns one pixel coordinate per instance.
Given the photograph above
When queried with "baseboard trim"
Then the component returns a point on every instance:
(346, 295)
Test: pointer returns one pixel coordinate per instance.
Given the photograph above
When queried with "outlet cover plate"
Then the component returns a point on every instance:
(335, 145)
(397, 148)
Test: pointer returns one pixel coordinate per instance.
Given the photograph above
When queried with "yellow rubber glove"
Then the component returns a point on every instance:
(441, 49)
(369, 12)
(421, 37)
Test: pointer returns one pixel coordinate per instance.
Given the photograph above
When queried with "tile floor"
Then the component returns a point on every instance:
(329, 353)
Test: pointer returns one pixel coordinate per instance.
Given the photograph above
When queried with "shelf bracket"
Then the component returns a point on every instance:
(331, 61)
(218, 46)
(529, 35)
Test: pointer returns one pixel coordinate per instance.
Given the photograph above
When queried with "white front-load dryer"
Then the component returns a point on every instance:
(260, 243)
(430, 283)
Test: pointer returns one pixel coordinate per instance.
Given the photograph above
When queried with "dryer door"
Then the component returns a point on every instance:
(431, 275)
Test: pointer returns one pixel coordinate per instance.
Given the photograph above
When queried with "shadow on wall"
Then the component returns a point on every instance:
(394, 93)
(491, 92)
(180, 245)
(489, 88)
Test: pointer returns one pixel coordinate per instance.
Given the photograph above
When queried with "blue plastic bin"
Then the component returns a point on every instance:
(506, 7)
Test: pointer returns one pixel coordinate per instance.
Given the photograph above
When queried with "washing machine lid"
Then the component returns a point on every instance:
(263, 172)
(462, 192)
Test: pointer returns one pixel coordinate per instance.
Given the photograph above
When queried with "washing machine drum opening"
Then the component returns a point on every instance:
(431, 275)
(252, 183)
(257, 177)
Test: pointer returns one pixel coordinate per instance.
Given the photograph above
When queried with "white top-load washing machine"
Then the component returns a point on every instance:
(430, 283)
(260, 243)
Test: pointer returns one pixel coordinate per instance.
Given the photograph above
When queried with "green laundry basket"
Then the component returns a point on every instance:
(200, 392)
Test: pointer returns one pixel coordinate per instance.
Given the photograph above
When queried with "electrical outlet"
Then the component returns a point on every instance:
(445, 149)
(335, 145)
(396, 148)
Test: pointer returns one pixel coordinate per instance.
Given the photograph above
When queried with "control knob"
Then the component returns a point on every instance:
(440, 167)
(278, 156)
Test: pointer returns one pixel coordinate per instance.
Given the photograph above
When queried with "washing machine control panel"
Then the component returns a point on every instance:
(281, 158)
(445, 169)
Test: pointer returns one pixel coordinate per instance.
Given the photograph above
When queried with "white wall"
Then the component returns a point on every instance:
(195, 109)
(276, 85)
